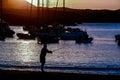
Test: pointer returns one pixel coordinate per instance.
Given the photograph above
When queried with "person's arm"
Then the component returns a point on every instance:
(49, 51)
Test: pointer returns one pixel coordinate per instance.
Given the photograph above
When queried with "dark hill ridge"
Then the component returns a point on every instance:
(70, 16)
(100, 15)
(21, 15)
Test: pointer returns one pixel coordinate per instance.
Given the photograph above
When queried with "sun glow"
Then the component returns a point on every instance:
(52, 3)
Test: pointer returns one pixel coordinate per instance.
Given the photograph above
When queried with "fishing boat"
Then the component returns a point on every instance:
(76, 34)
(70, 33)
(117, 39)
(25, 36)
(48, 39)
(5, 30)
(44, 31)
(84, 39)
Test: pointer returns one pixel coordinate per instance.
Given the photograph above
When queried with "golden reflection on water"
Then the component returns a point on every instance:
(26, 51)
(69, 53)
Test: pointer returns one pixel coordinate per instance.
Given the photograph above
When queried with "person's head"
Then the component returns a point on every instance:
(45, 45)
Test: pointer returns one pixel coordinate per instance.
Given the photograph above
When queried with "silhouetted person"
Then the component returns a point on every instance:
(44, 51)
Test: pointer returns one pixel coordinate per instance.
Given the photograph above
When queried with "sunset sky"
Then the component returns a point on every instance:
(94, 4)
(78, 4)
(88, 4)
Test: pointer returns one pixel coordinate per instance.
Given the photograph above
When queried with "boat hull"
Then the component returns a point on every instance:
(117, 39)
(88, 40)
(24, 36)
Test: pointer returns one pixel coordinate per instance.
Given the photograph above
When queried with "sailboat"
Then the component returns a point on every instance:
(27, 27)
(117, 39)
(48, 32)
(2, 36)
(76, 34)
(44, 31)
(5, 30)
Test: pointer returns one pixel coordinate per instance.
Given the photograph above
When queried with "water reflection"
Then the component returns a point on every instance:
(103, 52)
(25, 54)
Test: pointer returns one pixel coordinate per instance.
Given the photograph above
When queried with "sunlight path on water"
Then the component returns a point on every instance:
(102, 53)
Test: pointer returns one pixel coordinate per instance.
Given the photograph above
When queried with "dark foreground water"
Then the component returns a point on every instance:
(102, 56)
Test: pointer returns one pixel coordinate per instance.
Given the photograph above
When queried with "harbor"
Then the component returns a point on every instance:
(102, 54)
(84, 43)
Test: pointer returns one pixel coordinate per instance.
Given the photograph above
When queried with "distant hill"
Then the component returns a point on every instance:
(109, 16)
(21, 14)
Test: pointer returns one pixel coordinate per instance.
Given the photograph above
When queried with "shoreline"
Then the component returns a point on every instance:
(32, 75)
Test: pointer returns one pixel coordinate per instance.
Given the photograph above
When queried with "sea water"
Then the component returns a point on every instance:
(102, 56)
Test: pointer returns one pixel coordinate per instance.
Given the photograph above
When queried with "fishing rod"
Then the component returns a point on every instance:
(1, 11)
(57, 49)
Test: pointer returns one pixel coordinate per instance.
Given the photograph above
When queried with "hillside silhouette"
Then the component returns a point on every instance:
(22, 15)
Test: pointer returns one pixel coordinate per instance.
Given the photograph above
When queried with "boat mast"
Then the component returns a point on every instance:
(63, 13)
(56, 11)
(30, 11)
(42, 17)
(1, 10)
(38, 12)
(47, 16)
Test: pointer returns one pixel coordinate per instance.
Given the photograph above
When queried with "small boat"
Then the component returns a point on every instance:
(24, 36)
(2, 37)
(76, 34)
(118, 42)
(86, 40)
(46, 34)
(2, 33)
(117, 39)
(5, 31)
(70, 33)
(48, 40)
(45, 37)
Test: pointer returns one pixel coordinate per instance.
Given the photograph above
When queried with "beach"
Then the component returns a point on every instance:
(34, 75)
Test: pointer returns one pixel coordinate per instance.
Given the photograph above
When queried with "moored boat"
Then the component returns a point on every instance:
(117, 39)
(46, 35)
(48, 40)
(5, 31)
(81, 40)
(24, 36)
(76, 34)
